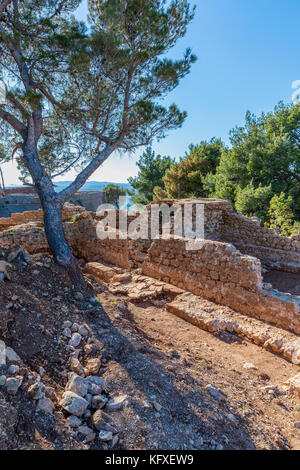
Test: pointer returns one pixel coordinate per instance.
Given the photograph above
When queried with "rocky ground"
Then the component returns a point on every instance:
(111, 373)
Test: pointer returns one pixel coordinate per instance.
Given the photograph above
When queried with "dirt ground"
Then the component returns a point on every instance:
(284, 282)
(160, 362)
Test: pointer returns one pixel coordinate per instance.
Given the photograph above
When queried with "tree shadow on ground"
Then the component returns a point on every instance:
(190, 418)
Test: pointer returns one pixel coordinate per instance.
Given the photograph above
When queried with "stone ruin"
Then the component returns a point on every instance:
(227, 270)
(19, 200)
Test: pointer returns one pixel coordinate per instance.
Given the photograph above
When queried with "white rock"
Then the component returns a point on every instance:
(73, 422)
(249, 366)
(83, 331)
(75, 340)
(76, 366)
(77, 385)
(295, 383)
(45, 405)
(87, 432)
(13, 369)
(13, 384)
(36, 391)
(67, 333)
(99, 401)
(96, 385)
(73, 403)
(11, 355)
(105, 436)
(214, 392)
(116, 403)
(2, 380)
(75, 327)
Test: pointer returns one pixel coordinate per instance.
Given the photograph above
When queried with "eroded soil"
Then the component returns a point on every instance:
(162, 363)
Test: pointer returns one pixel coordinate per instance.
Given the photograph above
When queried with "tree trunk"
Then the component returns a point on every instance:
(58, 244)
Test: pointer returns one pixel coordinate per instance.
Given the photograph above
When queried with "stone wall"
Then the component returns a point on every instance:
(277, 252)
(120, 252)
(36, 217)
(19, 201)
(217, 270)
(221, 223)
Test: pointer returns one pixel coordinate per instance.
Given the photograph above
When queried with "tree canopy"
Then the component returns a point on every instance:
(75, 94)
(152, 168)
(187, 177)
(113, 192)
(264, 153)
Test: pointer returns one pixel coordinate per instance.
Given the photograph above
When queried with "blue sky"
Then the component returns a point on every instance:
(248, 57)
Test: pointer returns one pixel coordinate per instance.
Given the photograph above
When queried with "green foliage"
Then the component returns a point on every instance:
(113, 192)
(188, 176)
(152, 169)
(94, 84)
(159, 194)
(281, 215)
(266, 151)
(253, 201)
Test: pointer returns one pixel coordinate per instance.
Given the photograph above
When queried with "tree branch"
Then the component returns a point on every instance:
(65, 195)
(3, 5)
(14, 122)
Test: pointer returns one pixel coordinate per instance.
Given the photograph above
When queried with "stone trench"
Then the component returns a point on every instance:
(217, 288)
(164, 272)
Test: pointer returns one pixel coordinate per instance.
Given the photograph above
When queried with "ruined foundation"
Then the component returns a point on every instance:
(226, 269)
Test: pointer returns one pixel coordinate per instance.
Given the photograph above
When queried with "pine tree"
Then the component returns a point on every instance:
(152, 169)
(281, 215)
(76, 94)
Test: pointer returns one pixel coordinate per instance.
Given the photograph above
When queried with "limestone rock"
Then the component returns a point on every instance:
(96, 385)
(214, 392)
(75, 327)
(35, 391)
(99, 401)
(93, 366)
(295, 383)
(67, 333)
(13, 384)
(103, 422)
(116, 403)
(75, 340)
(76, 367)
(105, 436)
(12, 356)
(249, 366)
(73, 422)
(77, 385)
(83, 331)
(73, 403)
(88, 433)
(45, 405)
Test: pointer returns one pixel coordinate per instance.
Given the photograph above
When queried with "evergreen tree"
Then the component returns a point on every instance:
(113, 192)
(266, 151)
(77, 94)
(187, 178)
(281, 215)
(253, 201)
(152, 169)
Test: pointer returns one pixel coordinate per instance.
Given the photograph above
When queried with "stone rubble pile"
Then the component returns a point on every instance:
(86, 394)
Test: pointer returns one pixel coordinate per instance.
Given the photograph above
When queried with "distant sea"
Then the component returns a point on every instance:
(89, 186)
